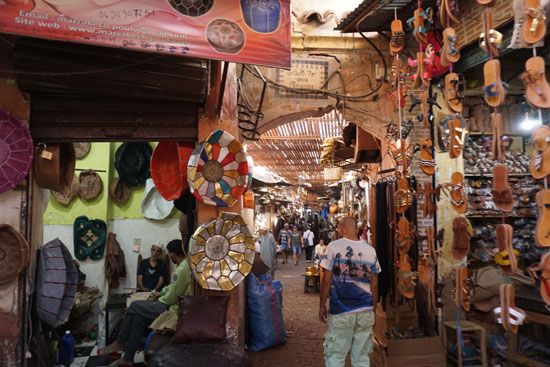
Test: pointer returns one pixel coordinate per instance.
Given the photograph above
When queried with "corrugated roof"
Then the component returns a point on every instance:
(294, 149)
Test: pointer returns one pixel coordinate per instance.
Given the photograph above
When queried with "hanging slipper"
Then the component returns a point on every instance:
(443, 18)
(427, 162)
(425, 108)
(502, 192)
(407, 277)
(397, 41)
(506, 257)
(486, 2)
(431, 197)
(493, 87)
(542, 230)
(456, 193)
(515, 315)
(540, 163)
(450, 52)
(490, 40)
(545, 278)
(404, 236)
(537, 89)
(457, 136)
(496, 144)
(453, 99)
(427, 66)
(463, 288)
(419, 23)
(451, 8)
(534, 27)
(419, 64)
(403, 197)
(461, 238)
(501, 312)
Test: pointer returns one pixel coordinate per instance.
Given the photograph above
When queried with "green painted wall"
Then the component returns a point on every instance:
(100, 158)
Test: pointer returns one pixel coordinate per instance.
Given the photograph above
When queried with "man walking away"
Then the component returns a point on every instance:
(284, 242)
(351, 279)
(309, 244)
(268, 250)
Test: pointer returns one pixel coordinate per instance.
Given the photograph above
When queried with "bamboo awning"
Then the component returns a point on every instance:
(293, 150)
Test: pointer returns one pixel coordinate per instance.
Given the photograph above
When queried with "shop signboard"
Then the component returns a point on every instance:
(244, 31)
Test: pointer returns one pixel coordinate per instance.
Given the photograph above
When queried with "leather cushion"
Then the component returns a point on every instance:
(202, 319)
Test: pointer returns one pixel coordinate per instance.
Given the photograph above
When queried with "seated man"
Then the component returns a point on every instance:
(142, 313)
(150, 271)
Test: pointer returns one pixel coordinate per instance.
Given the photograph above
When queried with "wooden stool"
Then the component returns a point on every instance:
(468, 328)
(311, 283)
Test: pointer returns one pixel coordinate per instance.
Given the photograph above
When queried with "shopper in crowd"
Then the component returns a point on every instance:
(268, 250)
(309, 243)
(141, 314)
(351, 280)
(284, 242)
(150, 271)
(297, 242)
(320, 251)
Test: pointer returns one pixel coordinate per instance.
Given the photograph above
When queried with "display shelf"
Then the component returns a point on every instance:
(490, 175)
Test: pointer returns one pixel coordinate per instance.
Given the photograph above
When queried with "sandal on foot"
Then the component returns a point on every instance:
(456, 193)
(427, 162)
(502, 192)
(453, 99)
(450, 52)
(542, 230)
(540, 163)
(493, 87)
(534, 27)
(506, 257)
(537, 89)
(496, 143)
(461, 238)
(457, 136)
(397, 41)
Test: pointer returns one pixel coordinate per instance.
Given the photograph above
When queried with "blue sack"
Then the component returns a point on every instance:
(265, 313)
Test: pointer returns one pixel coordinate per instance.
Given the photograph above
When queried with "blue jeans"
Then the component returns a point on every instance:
(296, 249)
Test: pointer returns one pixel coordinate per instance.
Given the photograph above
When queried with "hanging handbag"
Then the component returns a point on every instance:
(54, 166)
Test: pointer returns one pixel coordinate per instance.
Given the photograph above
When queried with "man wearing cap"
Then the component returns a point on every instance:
(141, 314)
(150, 271)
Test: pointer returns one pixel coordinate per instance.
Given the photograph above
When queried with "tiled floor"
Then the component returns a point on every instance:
(86, 356)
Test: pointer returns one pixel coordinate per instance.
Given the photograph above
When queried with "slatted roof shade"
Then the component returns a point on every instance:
(294, 149)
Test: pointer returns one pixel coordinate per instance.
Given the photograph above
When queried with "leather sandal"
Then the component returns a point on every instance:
(450, 52)
(397, 41)
(540, 163)
(537, 89)
(407, 277)
(534, 27)
(461, 238)
(425, 108)
(457, 137)
(457, 195)
(542, 230)
(502, 192)
(511, 316)
(463, 288)
(404, 236)
(486, 2)
(506, 257)
(545, 278)
(427, 161)
(420, 24)
(493, 88)
(453, 98)
(490, 40)
(496, 144)
(403, 197)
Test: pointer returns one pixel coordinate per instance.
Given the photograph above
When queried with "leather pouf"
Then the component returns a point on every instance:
(200, 355)
(91, 185)
(132, 162)
(14, 253)
(67, 197)
(90, 237)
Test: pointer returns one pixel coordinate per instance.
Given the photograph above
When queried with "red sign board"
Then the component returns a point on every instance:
(244, 31)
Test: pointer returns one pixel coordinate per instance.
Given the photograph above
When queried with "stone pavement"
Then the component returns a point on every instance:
(304, 346)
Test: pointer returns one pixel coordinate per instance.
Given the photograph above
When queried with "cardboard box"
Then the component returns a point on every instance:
(425, 352)
(384, 322)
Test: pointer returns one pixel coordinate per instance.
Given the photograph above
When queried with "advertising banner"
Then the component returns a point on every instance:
(243, 31)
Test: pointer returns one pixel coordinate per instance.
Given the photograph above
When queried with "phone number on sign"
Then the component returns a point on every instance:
(125, 13)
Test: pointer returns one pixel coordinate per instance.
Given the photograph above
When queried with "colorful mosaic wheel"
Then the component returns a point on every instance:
(218, 170)
(16, 151)
(222, 252)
